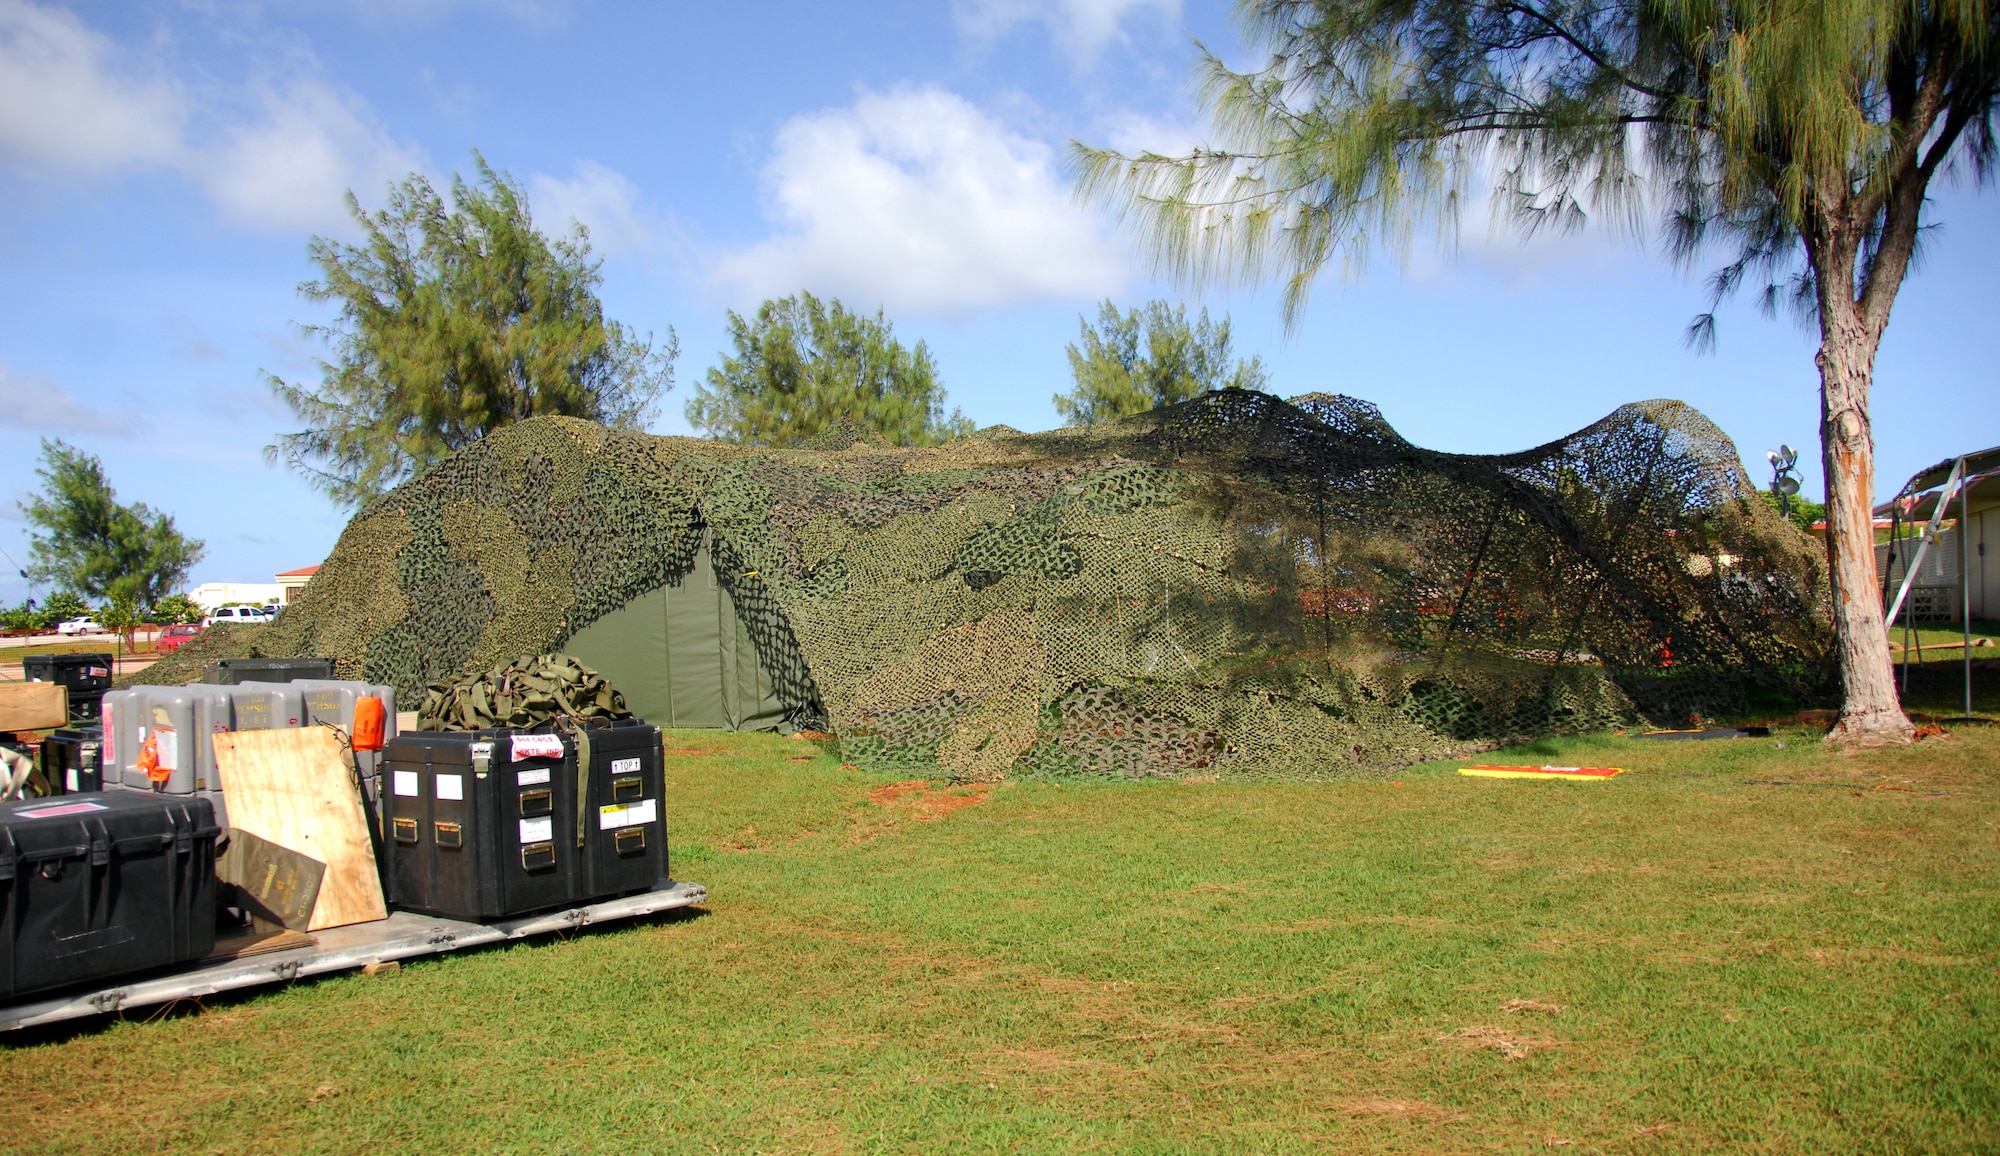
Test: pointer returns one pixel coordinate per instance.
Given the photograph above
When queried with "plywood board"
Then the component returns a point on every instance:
(33, 706)
(296, 788)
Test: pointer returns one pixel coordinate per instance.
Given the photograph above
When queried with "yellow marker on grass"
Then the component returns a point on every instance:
(1570, 774)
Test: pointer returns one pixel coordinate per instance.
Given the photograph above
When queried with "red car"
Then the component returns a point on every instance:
(175, 637)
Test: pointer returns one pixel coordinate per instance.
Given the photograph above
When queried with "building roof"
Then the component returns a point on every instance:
(1983, 489)
(1984, 461)
(301, 572)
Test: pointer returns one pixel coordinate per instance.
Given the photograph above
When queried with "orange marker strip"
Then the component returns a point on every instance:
(1573, 774)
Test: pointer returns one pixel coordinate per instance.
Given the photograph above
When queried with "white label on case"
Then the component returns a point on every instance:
(530, 777)
(627, 814)
(538, 830)
(450, 786)
(167, 745)
(625, 766)
(537, 747)
(70, 777)
(406, 784)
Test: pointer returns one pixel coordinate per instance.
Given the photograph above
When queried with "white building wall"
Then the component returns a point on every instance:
(210, 595)
(1985, 569)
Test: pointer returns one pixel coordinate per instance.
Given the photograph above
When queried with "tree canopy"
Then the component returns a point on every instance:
(1793, 139)
(1132, 362)
(456, 320)
(82, 540)
(802, 367)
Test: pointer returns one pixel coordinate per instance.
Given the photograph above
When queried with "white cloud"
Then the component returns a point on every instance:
(603, 200)
(916, 200)
(63, 107)
(1080, 27)
(33, 402)
(289, 167)
(272, 157)
(1133, 133)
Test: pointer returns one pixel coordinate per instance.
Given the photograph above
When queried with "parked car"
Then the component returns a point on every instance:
(239, 615)
(83, 625)
(175, 637)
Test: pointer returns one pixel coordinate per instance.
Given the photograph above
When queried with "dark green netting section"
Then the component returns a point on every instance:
(1233, 586)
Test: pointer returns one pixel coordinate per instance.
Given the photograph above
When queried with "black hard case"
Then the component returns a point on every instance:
(625, 774)
(232, 671)
(471, 857)
(103, 885)
(72, 760)
(87, 676)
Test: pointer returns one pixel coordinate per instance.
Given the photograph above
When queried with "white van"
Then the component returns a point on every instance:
(240, 615)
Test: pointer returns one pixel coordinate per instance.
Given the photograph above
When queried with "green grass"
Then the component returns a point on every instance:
(15, 654)
(1927, 637)
(1170, 966)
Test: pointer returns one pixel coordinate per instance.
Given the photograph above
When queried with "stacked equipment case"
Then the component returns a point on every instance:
(72, 760)
(95, 886)
(87, 676)
(181, 722)
(231, 671)
(486, 824)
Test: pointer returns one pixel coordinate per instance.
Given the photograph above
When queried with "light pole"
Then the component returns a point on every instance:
(1784, 476)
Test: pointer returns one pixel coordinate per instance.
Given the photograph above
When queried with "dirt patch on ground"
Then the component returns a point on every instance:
(1509, 1045)
(913, 801)
(925, 804)
(1384, 1106)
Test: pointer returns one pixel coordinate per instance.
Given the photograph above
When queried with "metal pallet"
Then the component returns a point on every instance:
(401, 936)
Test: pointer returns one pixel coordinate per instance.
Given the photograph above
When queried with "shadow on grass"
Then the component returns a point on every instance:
(91, 1025)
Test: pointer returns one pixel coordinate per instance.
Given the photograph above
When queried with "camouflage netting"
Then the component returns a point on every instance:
(1235, 585)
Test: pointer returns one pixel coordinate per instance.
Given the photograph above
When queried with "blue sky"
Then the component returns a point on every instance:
(163, 166)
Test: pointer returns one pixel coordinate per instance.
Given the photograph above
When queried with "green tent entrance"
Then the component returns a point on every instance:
(681, 656)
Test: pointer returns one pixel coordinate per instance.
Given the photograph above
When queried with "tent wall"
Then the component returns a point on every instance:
(682, 657)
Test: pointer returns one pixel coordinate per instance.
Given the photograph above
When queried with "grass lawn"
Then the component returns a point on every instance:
(1751, 945)
(1942, 643)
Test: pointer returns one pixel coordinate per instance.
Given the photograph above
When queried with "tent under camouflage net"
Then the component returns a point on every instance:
(1236, 585)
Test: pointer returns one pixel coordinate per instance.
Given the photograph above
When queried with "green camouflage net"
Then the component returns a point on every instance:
(1233, 586)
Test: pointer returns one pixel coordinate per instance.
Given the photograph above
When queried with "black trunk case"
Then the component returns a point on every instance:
(72, 760)
(104, 885)
(625, 822)
(513, 843)
(87, 676)
(494, 851)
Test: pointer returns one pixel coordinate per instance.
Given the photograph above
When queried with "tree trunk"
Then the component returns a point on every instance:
(1870, 712)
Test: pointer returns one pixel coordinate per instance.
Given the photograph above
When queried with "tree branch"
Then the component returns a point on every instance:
(1588, 53)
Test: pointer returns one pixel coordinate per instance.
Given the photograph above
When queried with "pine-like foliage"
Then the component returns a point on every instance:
(455, 321)
(1795, 139)
(84, 541)
(803, 368)
(1141, 360)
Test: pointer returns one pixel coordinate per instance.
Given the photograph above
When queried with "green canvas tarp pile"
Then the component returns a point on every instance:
(1237, 585)
(531, 691)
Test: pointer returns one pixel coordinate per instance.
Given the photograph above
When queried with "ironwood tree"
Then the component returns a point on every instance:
(454, 321)
(83, 540)
(803, 366)
(1797, 138)
(1135, 361)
